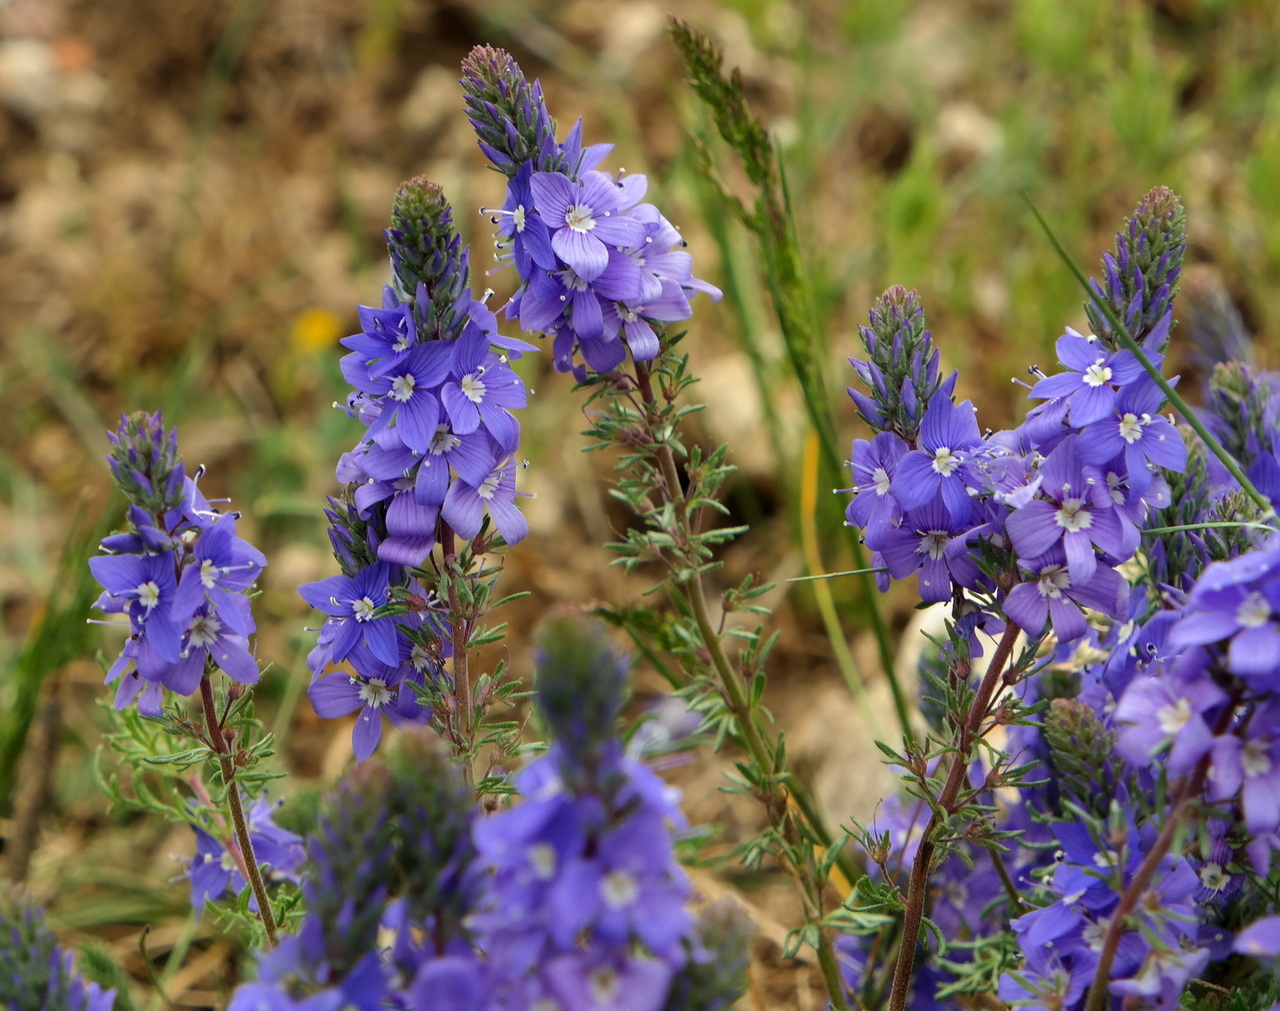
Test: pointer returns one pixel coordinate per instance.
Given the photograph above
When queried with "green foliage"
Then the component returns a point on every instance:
(1080, 750)
(1254, 991)
(60, 635)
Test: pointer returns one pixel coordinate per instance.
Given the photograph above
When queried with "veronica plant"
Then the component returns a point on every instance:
(605, 274)
(36, 974)
(1134, 702)
(180, 576)
(431, 477)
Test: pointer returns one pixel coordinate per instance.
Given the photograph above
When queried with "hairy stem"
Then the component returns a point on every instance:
(917, 887)
(1188, 789)
(831, 973)
(461, 632)
(228, 765)
(733, 689)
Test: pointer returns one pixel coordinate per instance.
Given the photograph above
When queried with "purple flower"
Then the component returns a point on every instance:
(209, 635)
(351, 602)
(1053, 595)
(1260, 939)
(1090, 386)
(1251, 765)
(607, 980)
(874, 464)
(948, 437)
(1074, 512)
(376, 689)
(216, 868)
(519, 223)
(485, 396)
(1239, 600)
(386, 336)
(464, 506)
(583, 219)
(221, 569)
(927, 540)
(1135, 431)
(1168, 711)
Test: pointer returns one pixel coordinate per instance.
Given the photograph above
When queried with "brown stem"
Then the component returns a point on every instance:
(1187, 791)
(225, 760)
(461, 631)
(918, 884)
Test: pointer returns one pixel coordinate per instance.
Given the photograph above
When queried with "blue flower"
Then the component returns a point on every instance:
(583, 220)
(949, 437)
(376, 689)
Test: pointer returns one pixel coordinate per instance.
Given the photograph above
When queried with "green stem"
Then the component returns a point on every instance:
(732, 688)
(228, 766)
(1238, 525)
(917, 888)
(831, 973)
(1127, 341)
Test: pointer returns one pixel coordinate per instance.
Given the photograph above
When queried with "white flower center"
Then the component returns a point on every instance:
(542, 857)
(570, 279)
(375, 693)
(363, 609)
(579, 218)
(1213, 877)
(1113, 485)
(1073, 516)
(489, 486)
(209, 574)
(148, 594)
(1097, 374)
(517, 217)
(945, 462)
(626, 313)
(443, 441)
(472, 387)
(205, 630)
(1253, 611)
(1053, 581)
(420, 657)
(881, 480)
(1130, 428)
(603, 984)
(227, 862)
(402, 343)
(1255, 759)
(1095, 933)
(1174, 716)
(934, 544)
(402, 387)
(618, 889)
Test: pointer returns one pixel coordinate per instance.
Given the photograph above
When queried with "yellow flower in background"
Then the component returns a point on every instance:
(315, 329)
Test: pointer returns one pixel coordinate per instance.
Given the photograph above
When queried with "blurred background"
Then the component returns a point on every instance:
(191, 203)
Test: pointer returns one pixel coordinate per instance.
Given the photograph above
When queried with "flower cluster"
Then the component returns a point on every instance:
(218, 867)
(35, 973)
(1157, 700)
(598, 268)
(1059, 500)
(434, 388)
(573, 895)
(180, 573)
(391, 860)
(588, 901)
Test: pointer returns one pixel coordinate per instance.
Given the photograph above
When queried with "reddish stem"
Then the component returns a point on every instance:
(250, 864)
